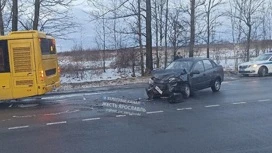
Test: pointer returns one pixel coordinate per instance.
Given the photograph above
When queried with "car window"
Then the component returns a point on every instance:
(180, 65)
(207, 64)
(4, 57)
(213, 63)
(199, 66)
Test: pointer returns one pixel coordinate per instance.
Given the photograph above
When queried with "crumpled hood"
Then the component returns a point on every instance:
(167, 74)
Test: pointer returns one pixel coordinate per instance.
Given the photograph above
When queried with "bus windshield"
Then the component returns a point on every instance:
(47, 46)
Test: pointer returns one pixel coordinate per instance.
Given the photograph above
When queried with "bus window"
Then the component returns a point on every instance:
(48, 46)
(4, 57)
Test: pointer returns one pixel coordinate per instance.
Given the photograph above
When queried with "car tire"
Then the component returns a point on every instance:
(262, 71)
(186, 91)
(216, 85)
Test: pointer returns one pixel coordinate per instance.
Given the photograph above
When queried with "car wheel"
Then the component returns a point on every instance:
(216, 85)
(186, 91)
(262, 71)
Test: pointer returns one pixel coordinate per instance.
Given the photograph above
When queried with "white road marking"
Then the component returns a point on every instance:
(180, 109)
(18, 127)
(77, 95)
(59, 113)
(154, 112)
(27, 105)
(212, 106)
(90, 119)
(25, 116)
(6, 120)
(239, 103)
(55, 123)
(264, 100)
(121, 115)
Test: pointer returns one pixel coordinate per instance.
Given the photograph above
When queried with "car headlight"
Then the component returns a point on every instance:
(254, 66)
(151, 81)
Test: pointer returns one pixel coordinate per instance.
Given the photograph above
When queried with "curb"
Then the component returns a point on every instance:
(99, 89)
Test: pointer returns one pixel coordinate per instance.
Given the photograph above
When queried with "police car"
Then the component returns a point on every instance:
(261, 65)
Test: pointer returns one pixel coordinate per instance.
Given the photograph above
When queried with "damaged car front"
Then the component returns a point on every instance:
(170, 82)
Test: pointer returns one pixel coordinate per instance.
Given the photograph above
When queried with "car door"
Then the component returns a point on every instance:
(269, 66)
(23, 68)
(209, 72)
(198, 80)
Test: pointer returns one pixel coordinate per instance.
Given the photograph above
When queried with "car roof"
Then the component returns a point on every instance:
(192, 59)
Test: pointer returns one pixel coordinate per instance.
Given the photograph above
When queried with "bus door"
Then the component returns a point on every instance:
(5, 76)
(23, 68)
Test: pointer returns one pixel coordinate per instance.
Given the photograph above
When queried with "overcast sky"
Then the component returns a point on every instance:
(85, 34)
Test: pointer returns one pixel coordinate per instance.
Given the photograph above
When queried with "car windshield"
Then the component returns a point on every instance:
(262, 57)
(180, 65)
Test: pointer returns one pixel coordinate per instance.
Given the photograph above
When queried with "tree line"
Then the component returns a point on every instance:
(149, 24)
(172, 23)
(51, 16)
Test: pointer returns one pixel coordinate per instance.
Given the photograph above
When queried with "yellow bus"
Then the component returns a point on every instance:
(28, 65)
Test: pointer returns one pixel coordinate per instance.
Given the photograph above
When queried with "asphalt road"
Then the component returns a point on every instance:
(236, 120)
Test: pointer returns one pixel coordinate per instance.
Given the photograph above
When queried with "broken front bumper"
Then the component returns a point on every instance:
(164, 89)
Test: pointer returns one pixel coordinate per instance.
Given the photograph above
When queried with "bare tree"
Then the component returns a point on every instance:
(160, 11)
(166, 32)
(194, 10)
(14, 15)
(236, 32)
(248, 15)
(2, 6)
(37, 5)
(149, 59)
(192, 27)
(178, 31)
(51, 16)
(156, 11)
(140, 36)
(211, 19)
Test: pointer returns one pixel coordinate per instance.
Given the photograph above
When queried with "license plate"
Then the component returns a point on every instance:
(158, 89)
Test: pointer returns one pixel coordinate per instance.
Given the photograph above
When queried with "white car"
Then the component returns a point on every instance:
(261, 65)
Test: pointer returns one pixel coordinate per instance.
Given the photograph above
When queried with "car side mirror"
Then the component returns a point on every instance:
(195, 72)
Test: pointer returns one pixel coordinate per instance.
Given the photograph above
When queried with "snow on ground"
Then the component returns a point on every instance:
(85, 74)
(96, 75)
